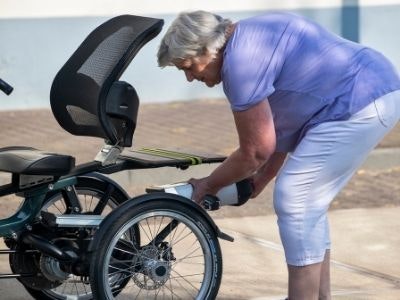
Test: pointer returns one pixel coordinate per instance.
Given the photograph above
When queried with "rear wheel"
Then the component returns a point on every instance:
(93, 196)
(177, 256)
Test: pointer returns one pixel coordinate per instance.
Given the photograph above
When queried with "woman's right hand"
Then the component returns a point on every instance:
(201, 188)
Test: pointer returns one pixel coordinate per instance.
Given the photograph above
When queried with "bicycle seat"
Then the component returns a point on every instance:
(31, 161)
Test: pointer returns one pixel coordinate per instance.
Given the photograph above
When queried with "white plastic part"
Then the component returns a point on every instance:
(227, 195)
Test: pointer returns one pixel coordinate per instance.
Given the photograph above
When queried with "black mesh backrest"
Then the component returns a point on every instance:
(79, 91)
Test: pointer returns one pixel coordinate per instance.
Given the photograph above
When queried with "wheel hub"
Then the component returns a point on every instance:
(159, 271)
(153, 267)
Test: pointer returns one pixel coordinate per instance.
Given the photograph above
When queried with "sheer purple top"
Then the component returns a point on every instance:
(308, 74)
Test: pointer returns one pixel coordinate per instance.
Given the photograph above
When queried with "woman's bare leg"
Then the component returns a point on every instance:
(304, 282)
(325, 283)
(310, 282)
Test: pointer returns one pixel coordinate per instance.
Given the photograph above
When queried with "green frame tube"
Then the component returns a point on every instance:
(29, 210)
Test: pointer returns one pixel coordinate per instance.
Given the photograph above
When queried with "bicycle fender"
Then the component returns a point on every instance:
(103, 178)
(191, 204)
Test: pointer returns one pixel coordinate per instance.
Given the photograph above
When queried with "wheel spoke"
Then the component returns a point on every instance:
(187, 281)
(181, 239)
(148, 226)
(140, 225)
(102, 203)
(90, 204)
(188, 256)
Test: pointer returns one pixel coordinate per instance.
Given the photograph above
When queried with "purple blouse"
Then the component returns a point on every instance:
(308, 74)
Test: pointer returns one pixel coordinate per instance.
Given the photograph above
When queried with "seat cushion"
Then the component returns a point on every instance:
(30, 161)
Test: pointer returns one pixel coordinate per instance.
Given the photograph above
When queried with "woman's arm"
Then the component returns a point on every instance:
(256, 133)
(267, 172)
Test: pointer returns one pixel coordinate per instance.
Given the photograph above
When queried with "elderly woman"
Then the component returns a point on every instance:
(295, 90)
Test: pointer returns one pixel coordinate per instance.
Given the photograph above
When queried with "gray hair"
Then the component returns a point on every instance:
(190, 35)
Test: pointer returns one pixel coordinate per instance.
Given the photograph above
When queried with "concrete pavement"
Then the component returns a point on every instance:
(365, 261)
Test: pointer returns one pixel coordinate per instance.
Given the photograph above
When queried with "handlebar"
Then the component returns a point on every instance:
(5, 87)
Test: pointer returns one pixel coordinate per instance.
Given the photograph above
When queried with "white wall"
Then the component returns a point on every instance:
(57, 8)
(63, 8)
(38, 36)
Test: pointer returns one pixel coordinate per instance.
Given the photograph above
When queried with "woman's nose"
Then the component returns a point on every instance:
(189, 76)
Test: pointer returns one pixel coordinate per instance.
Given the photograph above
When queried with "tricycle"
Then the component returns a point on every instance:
(78, 234)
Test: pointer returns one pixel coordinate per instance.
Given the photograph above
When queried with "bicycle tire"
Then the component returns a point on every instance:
(145, 261)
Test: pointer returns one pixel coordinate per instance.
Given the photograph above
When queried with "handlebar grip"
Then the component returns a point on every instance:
(5, 87)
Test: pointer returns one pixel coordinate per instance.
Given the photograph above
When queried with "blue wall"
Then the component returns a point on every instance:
(32, 51)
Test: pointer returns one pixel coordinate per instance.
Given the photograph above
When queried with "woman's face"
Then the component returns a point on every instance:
(205, 68)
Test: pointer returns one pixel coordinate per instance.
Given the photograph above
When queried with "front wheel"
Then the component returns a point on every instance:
(176, 257)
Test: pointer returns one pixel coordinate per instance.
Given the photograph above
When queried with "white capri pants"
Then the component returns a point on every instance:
(318, 169)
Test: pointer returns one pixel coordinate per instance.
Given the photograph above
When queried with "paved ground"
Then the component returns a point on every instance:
(364, 217)
(204, 126)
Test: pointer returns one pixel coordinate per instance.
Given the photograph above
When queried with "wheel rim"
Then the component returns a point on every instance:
(185, 274)
(75, 287)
